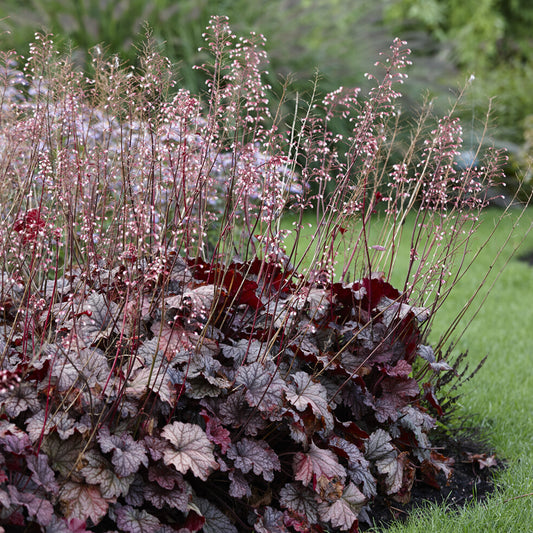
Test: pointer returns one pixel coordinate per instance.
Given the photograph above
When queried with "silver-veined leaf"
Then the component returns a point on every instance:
(190, 449)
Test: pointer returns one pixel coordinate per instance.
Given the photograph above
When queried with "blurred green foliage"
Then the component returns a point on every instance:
(492, 40)
(483, 32)
(338, 36)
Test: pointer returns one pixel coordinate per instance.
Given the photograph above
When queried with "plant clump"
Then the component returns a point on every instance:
(168, 362)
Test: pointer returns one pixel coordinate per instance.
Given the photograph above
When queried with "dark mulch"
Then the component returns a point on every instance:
(470, 480)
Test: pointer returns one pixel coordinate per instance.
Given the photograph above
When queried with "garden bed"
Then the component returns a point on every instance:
(472, 479)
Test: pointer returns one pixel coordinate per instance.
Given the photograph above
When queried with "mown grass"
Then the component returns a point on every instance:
(498, 398)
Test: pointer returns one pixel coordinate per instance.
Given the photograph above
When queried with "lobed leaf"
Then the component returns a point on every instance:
(165, 477)
(133, 520)
(235, 411)
(270, 522)
(216, 433)
(243, 350)
(343, 513)
(98, 318)
(43, 423)
(197, 301)
(378, 446)
(254, 455)
(15, 441)
(239, 487)
(306, 392)
(215, 520)
(162, 498)
(64, 455)
(391, 468)
(62, 525)
(39, 509)
(99, 471)
(128, 454)
(317, 462)
(82, 501)
(190, 450)
(21, 398)
(264, 387)
(43, 475)
(300, 500)
(151, 379)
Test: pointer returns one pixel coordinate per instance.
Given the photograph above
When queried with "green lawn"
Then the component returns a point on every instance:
(499, 397)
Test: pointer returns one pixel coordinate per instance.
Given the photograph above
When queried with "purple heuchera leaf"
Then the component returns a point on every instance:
(133, 520)
(39, 509)
(155, 446)
(135, 496)
(82, 501)
(196, 301)
(343, 513)
(87, 366)
(166, 477)
(270, 522)
(387, 408)
(300, 500)
(247, 350)
(235, 411)
(440, 366)
(160, 498)
(190, 450)
(403, 388)
(239, 487)
(62, 525)
(19, 443)
(5, 501)
(393, 310)
(61, 422)
(215, 520)
(426, 352)
(216, 433)
(254, 455)
(20, 399)
(378, 446)
(316, 302)
(348, 450)
(358, 466)
(128, 454)
(43, 475)
(99, 471)
(305, 392)
(98, 321)
(63, 454)
(419, 423)
(157, 380)
(401, 369)
(317, 463)
(392, 469)
(264, 387)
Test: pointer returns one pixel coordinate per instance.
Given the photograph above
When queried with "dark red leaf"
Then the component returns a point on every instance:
(194, 522)
(29, 224)
(376, 288)
(429, 396)
(216, 432)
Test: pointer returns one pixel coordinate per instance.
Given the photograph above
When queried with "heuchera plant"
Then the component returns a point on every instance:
(168, 361)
